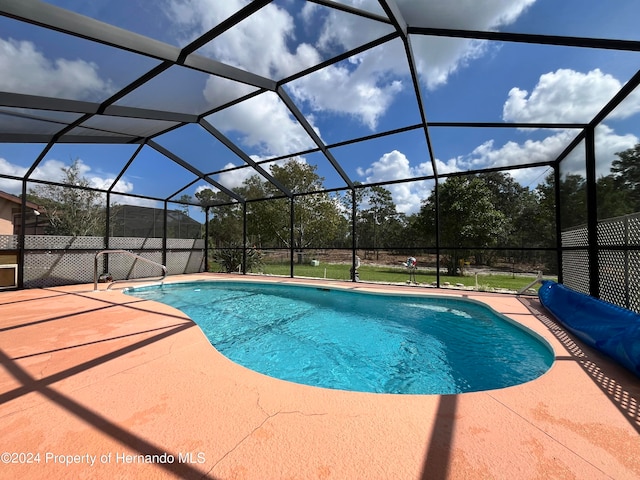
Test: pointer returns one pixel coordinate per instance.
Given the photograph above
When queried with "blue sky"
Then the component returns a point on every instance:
(460, 80)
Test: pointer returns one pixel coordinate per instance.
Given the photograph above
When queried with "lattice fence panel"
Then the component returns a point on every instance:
(612, 265)
(612, 232)
(59, 242)
(619, 278)
(185, 262)
(50, 269)
(122, 267)
(52, 260)
(575, 270)
(9, 242)
(575, 238)
(135, 243)
(634, 281)
(634, 230)
(185, 243)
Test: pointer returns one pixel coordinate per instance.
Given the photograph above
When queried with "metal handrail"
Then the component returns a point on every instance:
(131, 254)
(537, 280)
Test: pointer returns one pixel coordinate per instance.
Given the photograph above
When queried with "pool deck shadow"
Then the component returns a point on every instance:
(102, 385)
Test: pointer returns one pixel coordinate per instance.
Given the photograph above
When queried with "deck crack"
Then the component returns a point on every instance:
(268, 417)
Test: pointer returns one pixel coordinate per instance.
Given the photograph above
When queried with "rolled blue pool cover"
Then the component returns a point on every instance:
(612, 330)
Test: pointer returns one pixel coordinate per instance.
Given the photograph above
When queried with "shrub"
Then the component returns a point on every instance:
(230, 259)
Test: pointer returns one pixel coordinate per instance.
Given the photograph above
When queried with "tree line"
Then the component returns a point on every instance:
(476, 214)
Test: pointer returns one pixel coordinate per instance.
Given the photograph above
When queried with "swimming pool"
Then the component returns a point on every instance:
(364, 342)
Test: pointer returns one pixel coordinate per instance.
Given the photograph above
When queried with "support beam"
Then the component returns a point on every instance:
(194, 170)
(314, 136)
(246, 158)
(592, 213)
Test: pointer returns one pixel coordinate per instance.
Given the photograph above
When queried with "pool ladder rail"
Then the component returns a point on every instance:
(131, 254)
(537, 280)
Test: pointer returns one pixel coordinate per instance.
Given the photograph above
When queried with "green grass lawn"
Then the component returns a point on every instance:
(370, 273)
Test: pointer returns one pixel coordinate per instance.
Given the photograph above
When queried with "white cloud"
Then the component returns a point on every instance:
(567, 96)
(341, 30)
(123, 186)
(607, 143)
(561, 96)
(52, 171)
(437, 58)
(408, 196)
(366, 85)
(235, 178)
(463, 14)
(336, 89)
(266, 43)
(265, 124)
(32, 73)
(487, 155)
(396, 166)
(218, 90)
(140, 202)
(8, 168)
(368, 89)
(258, 44)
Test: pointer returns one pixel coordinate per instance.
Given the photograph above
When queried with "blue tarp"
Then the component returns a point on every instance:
(613, 330)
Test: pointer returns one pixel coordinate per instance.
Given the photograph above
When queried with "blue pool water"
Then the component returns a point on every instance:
(359, 341)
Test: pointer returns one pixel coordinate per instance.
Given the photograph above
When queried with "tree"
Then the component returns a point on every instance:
(378, 222)
(626, 174)
(507, 196)
(468, 218)
(573, 201)
(617, 193)
(546, 199)
(184, 207)
(72, 209)
(346, 204)
(225, 218)
(317, 217)
(614, 199)
(524, 216)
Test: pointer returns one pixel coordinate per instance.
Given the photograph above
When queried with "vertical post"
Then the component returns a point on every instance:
(437, 221)
(164, 233)
(206, 238)
(627, 279)
(292, 237)
(244, 238)
(107, 229)
(23, 229)
(354, 246)
(556, 188)
(592, 213)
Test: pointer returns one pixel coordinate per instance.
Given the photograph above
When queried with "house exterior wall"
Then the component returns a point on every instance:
(6, 217)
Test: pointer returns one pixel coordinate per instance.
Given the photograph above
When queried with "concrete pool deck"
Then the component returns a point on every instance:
(95, 384)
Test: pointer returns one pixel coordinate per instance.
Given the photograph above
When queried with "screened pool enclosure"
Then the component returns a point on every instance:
(308, 138)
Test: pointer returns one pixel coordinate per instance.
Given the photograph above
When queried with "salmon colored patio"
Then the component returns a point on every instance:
(98, 384)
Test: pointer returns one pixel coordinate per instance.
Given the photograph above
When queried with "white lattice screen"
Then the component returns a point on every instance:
(618, 260)
(52, 260)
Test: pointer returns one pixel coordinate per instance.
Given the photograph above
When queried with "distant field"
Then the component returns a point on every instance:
(382, 274)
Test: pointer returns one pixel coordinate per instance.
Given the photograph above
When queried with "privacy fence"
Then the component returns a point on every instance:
(618, 253)
(51, 260)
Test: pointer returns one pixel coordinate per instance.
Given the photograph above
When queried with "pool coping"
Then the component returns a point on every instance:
(108, 375)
